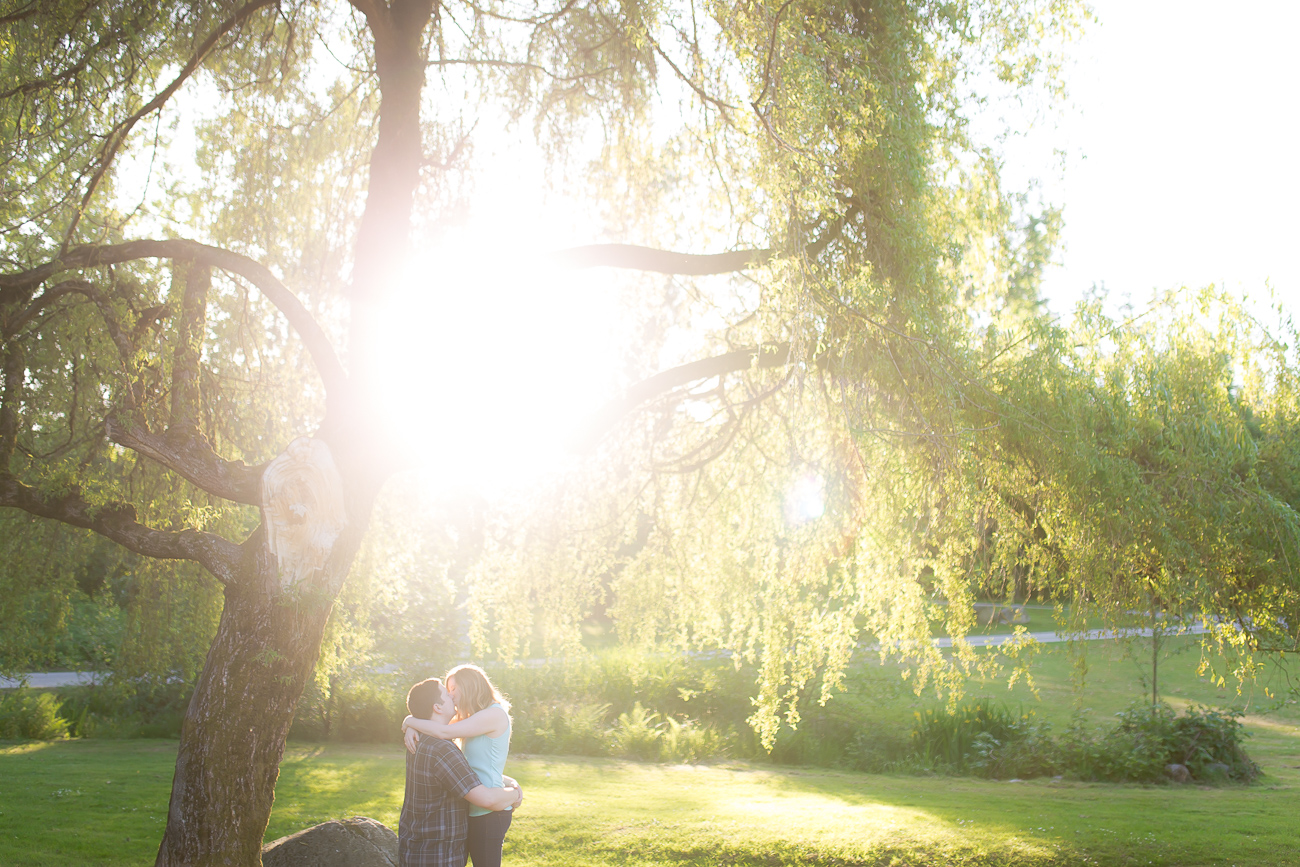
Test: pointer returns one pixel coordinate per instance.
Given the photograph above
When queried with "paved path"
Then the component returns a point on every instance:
(51, 679)
(1090, 635)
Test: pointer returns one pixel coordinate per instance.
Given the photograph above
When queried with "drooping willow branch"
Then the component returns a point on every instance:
(117, 137)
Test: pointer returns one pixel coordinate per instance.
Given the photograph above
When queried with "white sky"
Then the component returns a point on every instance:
(1181, 156)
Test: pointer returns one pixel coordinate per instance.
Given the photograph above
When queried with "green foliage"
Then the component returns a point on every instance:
(569, 729)
(992, 742)
(690, 741)
(1027, 750)
(1147, 738)
(637, 733)
(125, 708)
(709, 690)
(25, 713)
(355, 710)
(621, 703)
(945, 738)
(962, 445)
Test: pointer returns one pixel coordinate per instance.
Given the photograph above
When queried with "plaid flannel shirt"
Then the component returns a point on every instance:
(434, 822)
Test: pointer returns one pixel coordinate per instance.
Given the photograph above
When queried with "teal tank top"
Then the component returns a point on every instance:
(487, 757)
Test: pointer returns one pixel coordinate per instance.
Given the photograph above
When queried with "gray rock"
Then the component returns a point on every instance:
(355, 842)
(1178, 773)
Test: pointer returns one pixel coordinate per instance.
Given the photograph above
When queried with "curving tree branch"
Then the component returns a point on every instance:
(16, 286)
(186, 451)
(118, 522)
(764, 356)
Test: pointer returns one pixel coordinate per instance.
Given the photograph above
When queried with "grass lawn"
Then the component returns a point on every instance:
(101, 802)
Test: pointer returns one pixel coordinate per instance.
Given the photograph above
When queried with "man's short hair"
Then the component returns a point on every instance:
(422, 697)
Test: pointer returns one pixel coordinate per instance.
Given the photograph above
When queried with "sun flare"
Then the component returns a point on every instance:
(496, 359)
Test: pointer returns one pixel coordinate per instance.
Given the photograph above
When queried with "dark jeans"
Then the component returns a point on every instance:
(486, 834)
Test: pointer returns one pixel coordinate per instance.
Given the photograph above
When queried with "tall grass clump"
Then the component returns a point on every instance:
(561, 729)
(637, 733)
(26, 713)
(944, 738)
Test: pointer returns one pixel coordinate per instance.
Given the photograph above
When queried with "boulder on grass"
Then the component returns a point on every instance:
(355, 842)
(1178, 773)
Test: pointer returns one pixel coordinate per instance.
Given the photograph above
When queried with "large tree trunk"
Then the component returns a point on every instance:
(235, 728)
(316, 503)
(266, 645)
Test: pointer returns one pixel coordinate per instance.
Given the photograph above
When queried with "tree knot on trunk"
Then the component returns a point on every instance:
(303, 509)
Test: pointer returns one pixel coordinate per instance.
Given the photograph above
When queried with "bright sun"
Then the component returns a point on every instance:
(497, 358)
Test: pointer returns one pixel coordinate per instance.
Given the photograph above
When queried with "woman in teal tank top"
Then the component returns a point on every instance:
(482, 723)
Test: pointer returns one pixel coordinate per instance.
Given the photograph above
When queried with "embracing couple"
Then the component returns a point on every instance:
(457, 804)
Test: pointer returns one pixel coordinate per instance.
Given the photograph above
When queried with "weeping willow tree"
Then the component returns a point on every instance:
(193, 363)
(887, 426)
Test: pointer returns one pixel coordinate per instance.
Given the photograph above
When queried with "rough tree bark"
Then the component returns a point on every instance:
(267, 642)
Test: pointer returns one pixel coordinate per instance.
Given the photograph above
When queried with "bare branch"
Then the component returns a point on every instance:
(91, 256)
(639, 258)
(187, 452)
(722, 106)
(118, 523)
(767, 355)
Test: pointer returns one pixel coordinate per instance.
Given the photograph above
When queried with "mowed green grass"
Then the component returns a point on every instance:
(104, 802)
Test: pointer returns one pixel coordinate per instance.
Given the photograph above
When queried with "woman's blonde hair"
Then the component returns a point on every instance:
(474, 691)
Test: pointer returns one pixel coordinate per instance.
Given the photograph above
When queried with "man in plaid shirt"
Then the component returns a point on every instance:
(434, 822)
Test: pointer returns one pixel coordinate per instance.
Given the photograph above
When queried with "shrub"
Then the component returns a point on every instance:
(1148, 738)
(25, 713)
(355, 709)
(944, 738)
(1027, 750)
(636, 734)
(1204, 737)
(823, 736)
(1139, 747)
(691, 741)
(560, 729)
(875, 751)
